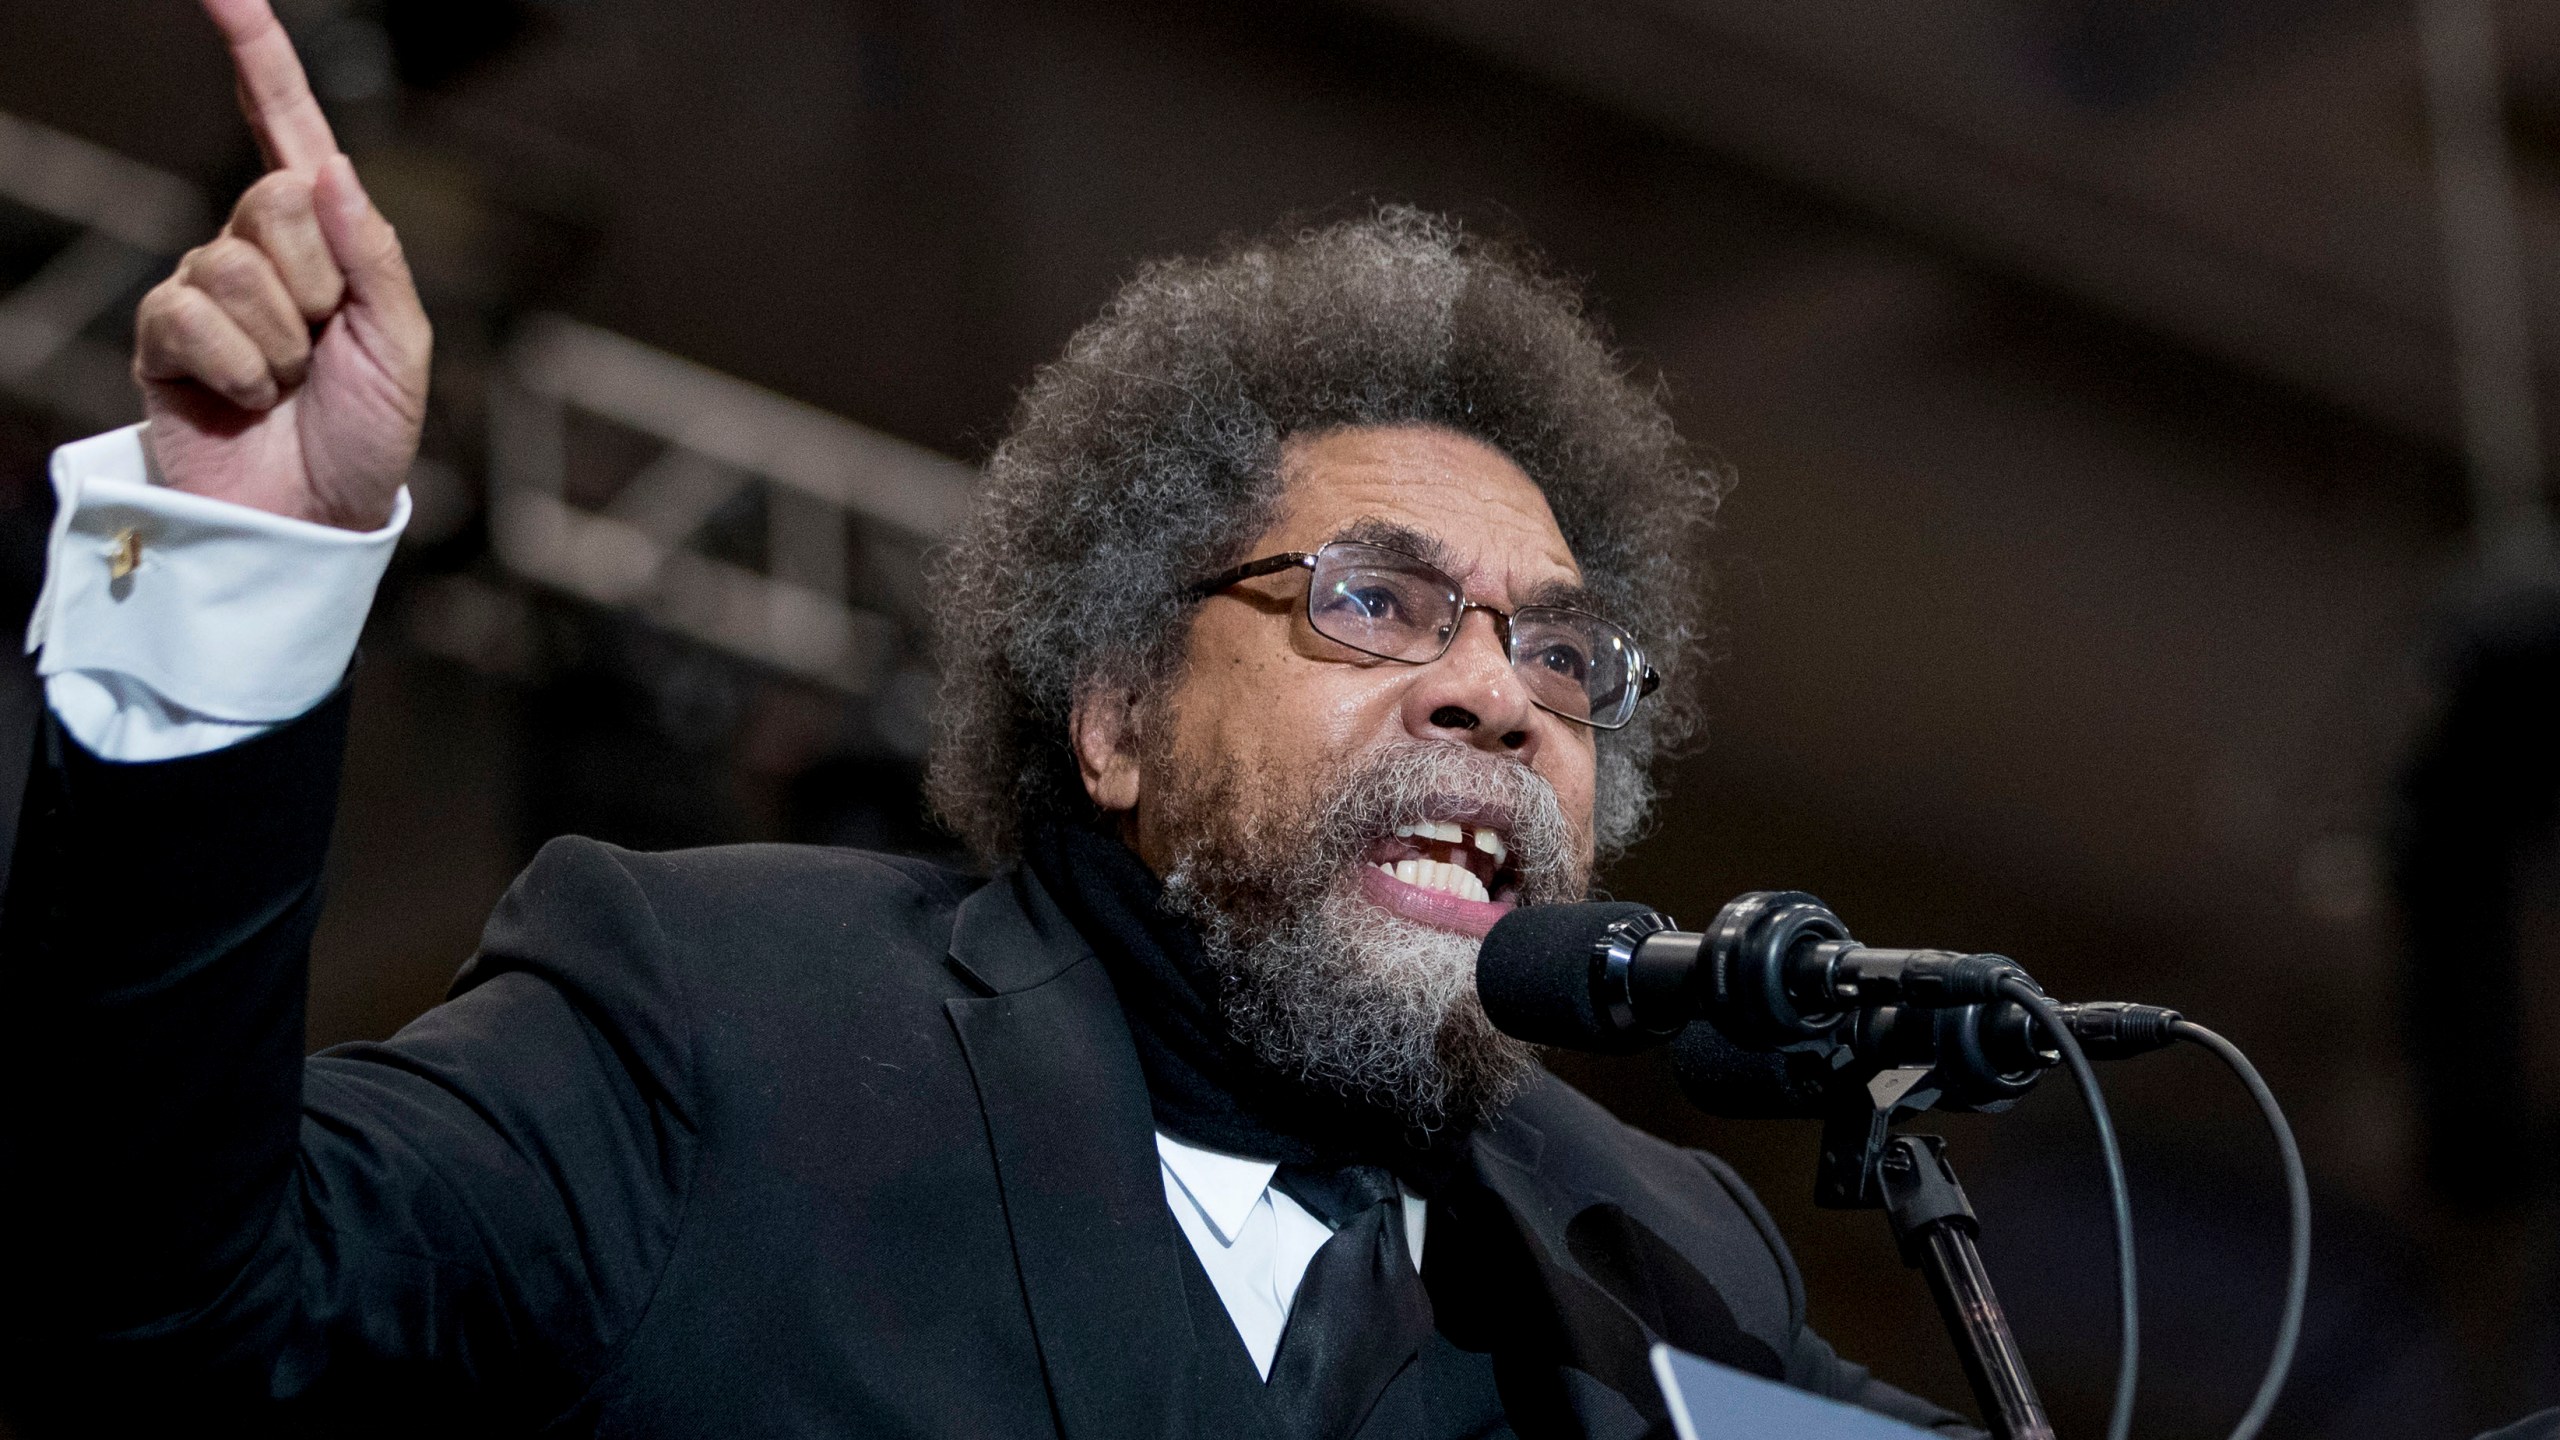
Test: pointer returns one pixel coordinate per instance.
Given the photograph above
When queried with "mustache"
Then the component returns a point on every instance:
(1410, 781)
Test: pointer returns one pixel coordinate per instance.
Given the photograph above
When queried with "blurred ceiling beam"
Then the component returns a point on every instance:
(2268, 202)
(823, 482)
(131, 217)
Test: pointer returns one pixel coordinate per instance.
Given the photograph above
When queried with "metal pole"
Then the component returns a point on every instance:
(1981, 1332)
(1933, 1224)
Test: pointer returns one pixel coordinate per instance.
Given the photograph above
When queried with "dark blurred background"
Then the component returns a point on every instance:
(2103, 586)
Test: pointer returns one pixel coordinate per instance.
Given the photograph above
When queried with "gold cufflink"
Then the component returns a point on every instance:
(124, 553)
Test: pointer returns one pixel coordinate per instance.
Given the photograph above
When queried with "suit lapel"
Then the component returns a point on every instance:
(1565, 1332)
(1592, 1331)
(1073, 1136)
(1583, 1284)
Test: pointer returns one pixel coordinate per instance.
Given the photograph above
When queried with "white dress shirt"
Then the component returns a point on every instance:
(229, 621)
(172, 625)
(1254, 1241)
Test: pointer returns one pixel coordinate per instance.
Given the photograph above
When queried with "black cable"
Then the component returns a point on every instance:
(2129, 1349)
(2298, 1193)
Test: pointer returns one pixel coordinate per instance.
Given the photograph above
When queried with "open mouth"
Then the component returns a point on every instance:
(1454, 871)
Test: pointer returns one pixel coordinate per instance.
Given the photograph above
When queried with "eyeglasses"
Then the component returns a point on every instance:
(1386, 603)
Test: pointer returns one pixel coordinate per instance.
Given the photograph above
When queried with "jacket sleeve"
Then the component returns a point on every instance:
(455, 1224)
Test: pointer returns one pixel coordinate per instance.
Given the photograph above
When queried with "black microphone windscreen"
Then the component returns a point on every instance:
(1722, 1078)
(1534, 976)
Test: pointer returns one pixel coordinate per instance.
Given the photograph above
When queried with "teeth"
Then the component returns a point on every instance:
(1455, 880)
(1440, 875)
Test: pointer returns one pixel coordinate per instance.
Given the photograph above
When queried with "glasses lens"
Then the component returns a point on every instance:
(1382, 602)
(1580, 666)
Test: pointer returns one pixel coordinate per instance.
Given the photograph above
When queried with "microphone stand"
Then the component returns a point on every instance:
(1865, 1166)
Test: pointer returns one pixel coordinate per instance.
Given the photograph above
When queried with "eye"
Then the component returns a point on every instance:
(1372, 599)
(1373, 602)
(1562, 658)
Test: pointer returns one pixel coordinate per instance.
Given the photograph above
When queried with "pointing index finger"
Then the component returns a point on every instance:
(274, 93)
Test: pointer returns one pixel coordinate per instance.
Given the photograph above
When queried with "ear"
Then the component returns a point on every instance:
(1104, 732)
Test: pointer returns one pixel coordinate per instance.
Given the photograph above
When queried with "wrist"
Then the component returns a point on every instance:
(363, 518)
(275, 488)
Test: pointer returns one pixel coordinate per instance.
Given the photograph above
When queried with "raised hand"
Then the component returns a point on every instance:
(284, 364)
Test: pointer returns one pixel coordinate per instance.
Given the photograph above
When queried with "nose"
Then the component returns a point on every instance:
(1472, 696)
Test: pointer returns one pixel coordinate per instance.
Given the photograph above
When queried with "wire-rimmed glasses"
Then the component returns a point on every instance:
(1383, 602)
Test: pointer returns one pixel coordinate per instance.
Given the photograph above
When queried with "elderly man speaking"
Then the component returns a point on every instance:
(1326, 600)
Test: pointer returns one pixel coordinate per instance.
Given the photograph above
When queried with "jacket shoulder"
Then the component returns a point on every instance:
(734, 918)
(682, 880)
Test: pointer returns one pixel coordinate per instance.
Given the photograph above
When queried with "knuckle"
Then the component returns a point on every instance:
(190, 335)
(192, 332)
(229, 264)
(278, 198)
(163, 311)
(318, 289)
(316, 281)
(229, 367)
(156, 300)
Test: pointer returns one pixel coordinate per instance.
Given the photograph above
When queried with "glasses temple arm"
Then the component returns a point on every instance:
(1252, 569)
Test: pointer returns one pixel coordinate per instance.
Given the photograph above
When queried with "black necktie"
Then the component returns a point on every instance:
(1361, 1311)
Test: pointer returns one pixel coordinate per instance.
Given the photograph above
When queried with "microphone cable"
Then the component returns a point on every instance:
(2298, 1196)
(2129, 1344)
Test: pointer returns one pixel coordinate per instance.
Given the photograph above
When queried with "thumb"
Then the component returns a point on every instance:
(368, 254)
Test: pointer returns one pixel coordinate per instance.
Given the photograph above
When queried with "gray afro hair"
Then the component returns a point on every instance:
(1148, 455)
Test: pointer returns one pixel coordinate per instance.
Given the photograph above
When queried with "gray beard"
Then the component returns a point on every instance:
(1324, 987)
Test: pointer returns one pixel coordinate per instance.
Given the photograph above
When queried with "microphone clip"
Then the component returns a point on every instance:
(1859, 1128)
(1637, 995)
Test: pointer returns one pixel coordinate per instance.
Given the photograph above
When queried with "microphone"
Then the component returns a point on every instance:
(1774, 999)
(1566, 976)
(1546, 975)
(1775, 969)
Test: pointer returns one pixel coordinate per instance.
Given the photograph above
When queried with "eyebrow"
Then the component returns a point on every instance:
(1430, 549)
(1387, 534)
(1564, 595)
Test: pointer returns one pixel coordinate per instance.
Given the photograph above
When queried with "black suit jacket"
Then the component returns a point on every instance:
(751, 1141)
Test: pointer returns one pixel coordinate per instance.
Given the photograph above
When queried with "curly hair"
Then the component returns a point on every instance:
(1149, 454)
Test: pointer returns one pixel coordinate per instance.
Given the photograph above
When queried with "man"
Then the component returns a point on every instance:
(1310, 621)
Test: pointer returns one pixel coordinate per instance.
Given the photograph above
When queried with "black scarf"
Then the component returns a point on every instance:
(1206, 1087)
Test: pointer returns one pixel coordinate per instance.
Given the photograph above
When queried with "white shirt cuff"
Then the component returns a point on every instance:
(171, 624)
